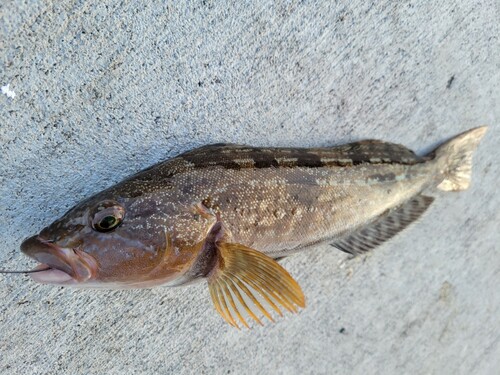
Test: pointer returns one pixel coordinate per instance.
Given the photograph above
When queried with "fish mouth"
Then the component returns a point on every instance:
(59, 265)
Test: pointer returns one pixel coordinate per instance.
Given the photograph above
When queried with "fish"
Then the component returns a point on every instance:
(226, 214)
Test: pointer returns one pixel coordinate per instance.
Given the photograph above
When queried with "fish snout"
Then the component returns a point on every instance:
(37, 248)
(73, 262)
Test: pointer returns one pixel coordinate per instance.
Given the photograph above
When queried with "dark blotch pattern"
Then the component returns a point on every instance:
(238, 157)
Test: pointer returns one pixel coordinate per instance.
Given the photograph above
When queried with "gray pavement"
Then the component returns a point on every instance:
(101, 89)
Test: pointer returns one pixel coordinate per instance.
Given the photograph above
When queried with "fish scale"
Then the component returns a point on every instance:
(225, 213)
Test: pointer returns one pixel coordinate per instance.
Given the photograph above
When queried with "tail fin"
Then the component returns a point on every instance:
(455, 159)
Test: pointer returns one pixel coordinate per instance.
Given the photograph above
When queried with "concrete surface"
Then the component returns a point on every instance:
(105, 88)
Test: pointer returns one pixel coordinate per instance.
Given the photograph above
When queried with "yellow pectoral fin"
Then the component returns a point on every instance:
(245, 281)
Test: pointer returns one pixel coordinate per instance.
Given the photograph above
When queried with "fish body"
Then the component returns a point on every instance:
(225, 213)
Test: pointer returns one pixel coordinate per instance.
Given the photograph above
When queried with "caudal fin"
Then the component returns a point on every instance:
(455, 159)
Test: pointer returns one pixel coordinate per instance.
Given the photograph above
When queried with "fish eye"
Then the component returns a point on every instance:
(107, 216)
(107, 223)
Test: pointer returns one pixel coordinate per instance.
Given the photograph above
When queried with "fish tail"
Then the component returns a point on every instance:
(455, 159)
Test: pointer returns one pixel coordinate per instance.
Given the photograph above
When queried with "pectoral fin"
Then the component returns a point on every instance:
(245, 282)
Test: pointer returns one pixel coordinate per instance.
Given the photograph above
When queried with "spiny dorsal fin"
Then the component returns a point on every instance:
(245, 278)
(384, 227)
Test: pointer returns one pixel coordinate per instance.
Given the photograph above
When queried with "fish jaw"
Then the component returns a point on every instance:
(67, 266)
(51, 276)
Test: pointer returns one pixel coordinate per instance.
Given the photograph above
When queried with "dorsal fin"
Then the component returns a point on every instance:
(387, 152)
(234, 156)
(237, 157)
(384, 227)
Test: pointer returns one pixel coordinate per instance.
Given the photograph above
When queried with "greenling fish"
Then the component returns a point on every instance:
(226, 213)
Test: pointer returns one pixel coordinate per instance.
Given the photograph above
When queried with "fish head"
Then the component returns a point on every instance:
(104, 242)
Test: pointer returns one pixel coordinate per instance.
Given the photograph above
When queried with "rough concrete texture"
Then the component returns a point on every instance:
(106, 88)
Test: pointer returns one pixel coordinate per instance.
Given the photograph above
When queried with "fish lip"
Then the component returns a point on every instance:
(73, 262)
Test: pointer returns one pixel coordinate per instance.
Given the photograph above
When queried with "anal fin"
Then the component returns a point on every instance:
(384, 227)
(245, 282)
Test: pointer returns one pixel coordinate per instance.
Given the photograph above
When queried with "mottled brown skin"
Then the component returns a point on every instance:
(274, 200)
(277, 201)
